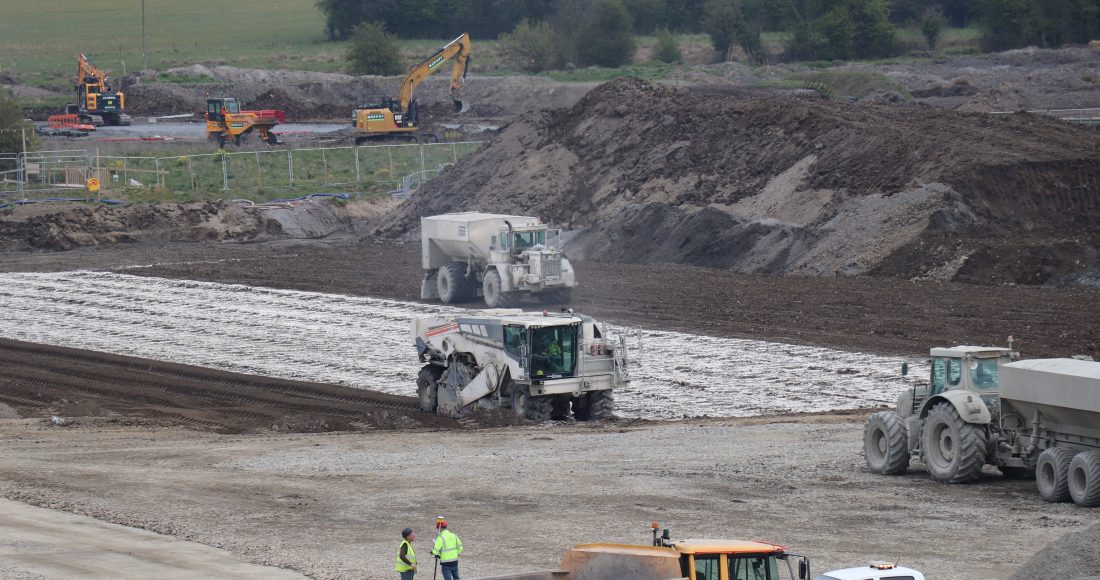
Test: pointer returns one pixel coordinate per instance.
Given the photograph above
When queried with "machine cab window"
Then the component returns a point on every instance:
(954, 371)
(515, 337)
(939, 375)
(707, 567)
(554, 351)
(525, 240)
(753, 567)
(983, 374)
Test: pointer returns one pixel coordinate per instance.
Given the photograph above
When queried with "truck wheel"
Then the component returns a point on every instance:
(954, 450)
(494, 296)
(451, 282)
(1052, 474)
(530, 407)
(427, 388)
(886, 444)
(600, 405)
(1084, 479)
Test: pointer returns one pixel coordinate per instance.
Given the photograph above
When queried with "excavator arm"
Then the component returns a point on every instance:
(459, 50)
(87, 72)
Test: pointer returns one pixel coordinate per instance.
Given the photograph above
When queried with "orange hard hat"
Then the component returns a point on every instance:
(441, 523)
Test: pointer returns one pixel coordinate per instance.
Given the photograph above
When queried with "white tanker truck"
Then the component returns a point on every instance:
(541, 365)
(1031, 418)
(498, 257)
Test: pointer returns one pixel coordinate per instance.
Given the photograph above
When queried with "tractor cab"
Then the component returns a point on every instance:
(974, 368)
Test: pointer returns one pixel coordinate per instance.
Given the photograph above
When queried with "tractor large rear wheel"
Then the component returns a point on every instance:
(954, 450)
(1052, 474)
(452, 284)
(886, 444)
(1084, 479)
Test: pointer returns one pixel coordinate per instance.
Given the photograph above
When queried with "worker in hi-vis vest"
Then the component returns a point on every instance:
(447, 549)
(406, 557)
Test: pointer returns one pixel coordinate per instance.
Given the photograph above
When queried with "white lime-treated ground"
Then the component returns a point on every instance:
(366, 343)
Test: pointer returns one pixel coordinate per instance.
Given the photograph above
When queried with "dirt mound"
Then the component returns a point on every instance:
(649, 173)
(73, 227)
(326, 96)
(1072, 557)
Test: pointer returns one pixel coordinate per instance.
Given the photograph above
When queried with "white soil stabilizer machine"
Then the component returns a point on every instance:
(540, 365)
(1031, 418)
(498, 257)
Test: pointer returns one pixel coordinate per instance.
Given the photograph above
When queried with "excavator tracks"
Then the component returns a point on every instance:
(43, 380)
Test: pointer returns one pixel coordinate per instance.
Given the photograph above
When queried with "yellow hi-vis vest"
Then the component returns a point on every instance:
(410, 554)
(447, 546)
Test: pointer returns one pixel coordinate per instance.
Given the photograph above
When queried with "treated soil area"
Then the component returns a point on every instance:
(882, 315)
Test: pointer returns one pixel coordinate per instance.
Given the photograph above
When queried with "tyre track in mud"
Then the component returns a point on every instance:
(52, 379)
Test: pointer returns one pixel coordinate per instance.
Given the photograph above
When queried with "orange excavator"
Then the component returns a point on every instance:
(96, 103)
(398, 118)
(227, 123)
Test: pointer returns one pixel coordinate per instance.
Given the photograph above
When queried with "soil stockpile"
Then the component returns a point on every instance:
(79, 226)
(1073, 557)
(649, 173)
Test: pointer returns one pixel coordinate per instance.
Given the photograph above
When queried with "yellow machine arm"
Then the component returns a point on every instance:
(459, 50)
(86, 69)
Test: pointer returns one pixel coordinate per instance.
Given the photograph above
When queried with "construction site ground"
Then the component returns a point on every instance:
(884, 203)
(227, 474)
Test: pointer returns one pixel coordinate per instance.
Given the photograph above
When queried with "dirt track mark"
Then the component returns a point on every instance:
(49, 379)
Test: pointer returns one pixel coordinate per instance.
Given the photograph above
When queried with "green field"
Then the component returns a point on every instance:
(40, 40)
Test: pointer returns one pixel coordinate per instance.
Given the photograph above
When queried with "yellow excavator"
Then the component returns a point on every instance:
(398, 118)
(96, 103)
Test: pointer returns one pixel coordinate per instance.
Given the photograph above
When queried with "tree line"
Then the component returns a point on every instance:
(542, 34)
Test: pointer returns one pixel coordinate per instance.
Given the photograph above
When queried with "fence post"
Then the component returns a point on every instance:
(389, 151)
(156, 166)
(225, 173)
(290, 165)
(324, 168)
(357, 178)
(259, 171)
(422, 161)
(454, 152)
(191, 173)
(125, 173)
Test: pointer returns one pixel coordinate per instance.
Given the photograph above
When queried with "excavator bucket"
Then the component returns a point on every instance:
(461, 106)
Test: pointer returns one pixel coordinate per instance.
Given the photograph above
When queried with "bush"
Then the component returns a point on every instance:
(531, 47)
(607, 39)
(373, 51)
(849, 29)
(931, 26)
(12, 128)
(668, 47)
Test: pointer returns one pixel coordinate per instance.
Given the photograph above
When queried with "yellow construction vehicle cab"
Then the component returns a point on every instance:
(227, 123)
(96, 103)
(399, 117)
(675, 560)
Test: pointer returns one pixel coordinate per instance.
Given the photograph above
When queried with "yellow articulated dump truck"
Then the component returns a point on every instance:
(675, 560)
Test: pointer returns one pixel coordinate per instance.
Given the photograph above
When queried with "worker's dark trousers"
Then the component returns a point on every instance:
(450, 570)
(407, 575)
